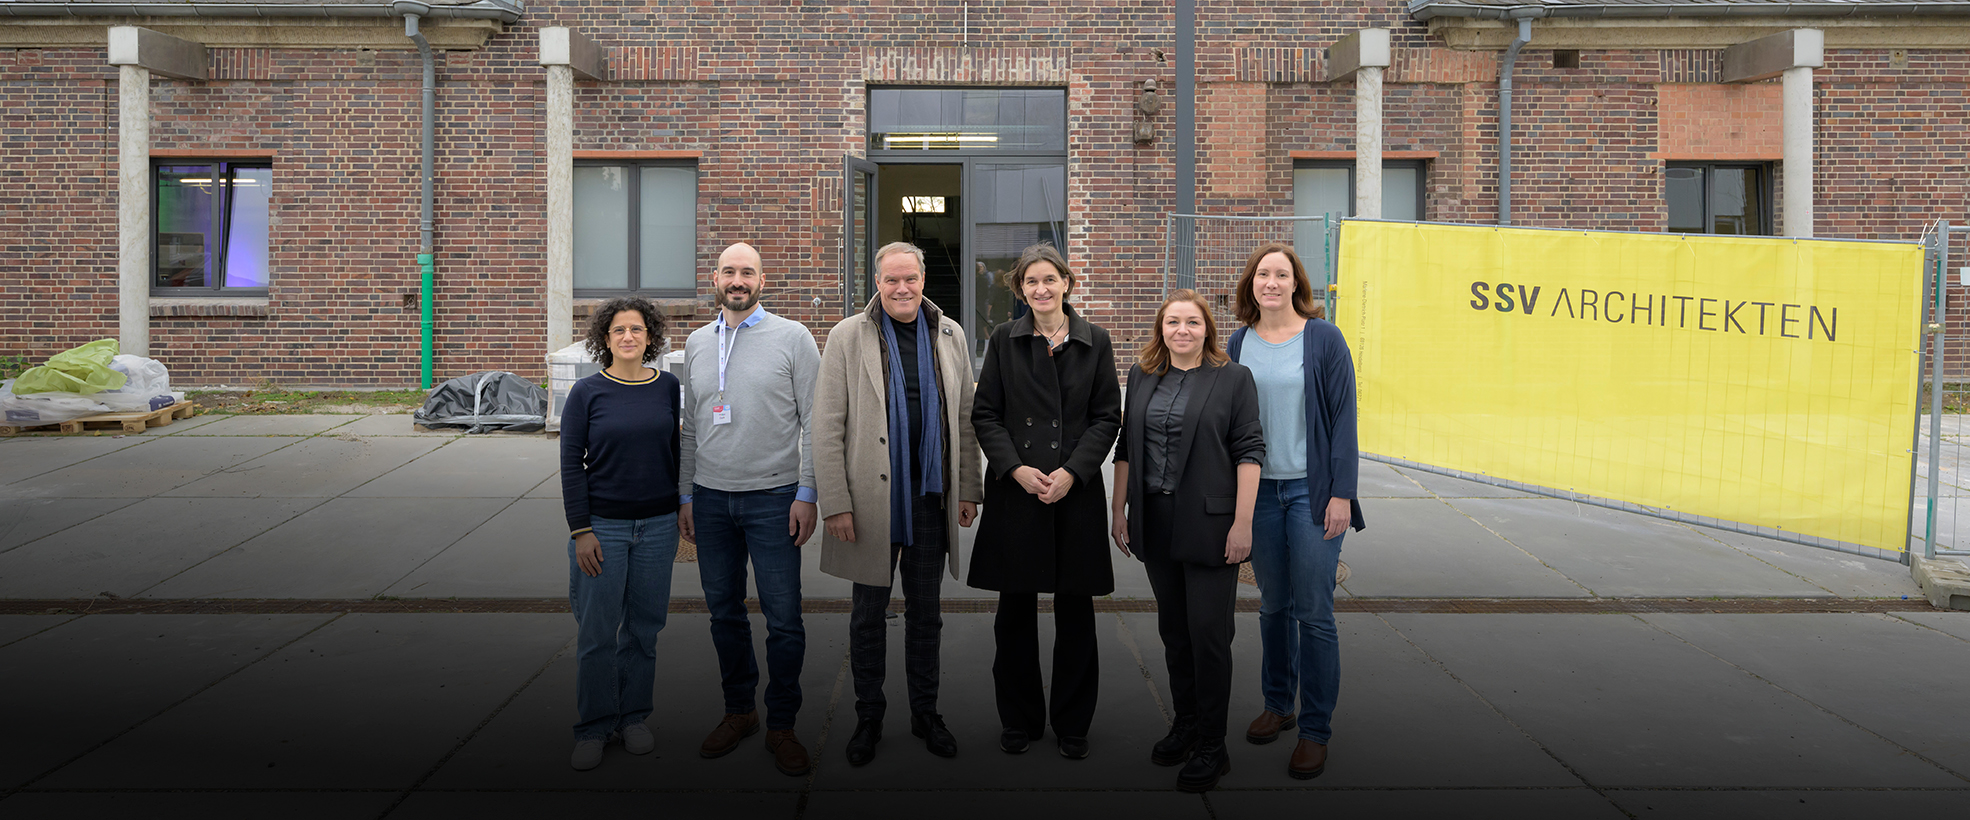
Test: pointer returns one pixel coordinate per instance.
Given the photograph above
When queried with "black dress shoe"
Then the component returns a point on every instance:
(862, 745)
(936, 738)
(1212, 761)
(1013, 741)
(1176, 746)
(1073, 748)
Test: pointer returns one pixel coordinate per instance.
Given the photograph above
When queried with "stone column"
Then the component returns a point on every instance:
(133, 215)
(566, 54)
(1797, 94)
(1368, 142)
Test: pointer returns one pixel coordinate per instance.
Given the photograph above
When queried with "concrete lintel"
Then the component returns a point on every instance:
(1367, 48)
(1768, 57)
(1945, 581)
(157, 52)
(560, 45)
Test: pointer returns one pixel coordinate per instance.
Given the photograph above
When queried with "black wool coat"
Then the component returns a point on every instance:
(1045, 412)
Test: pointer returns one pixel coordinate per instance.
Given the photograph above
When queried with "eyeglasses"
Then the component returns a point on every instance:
(628, 331)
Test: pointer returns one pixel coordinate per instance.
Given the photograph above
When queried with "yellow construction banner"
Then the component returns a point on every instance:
(1762, 381)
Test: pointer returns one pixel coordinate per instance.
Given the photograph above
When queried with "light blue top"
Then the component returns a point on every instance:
(1280, 372)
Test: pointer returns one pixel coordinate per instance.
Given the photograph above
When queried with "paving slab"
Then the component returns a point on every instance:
(180, 426)
(103, 674)
(365, 702)
(1417, 805)
(392, 424)
(1843, 574)
(536, 805)
(317, 555)
(549, 487)
(1445, 486)
(521, 552)
(26, 519)
(498, 467)
(157, 466)
(1128, 720)
(1624, 704)
(197, 805)
(526, 745)
(296, 425)
(1425, 548)
(1737, 804)
(958, 804)
(1837, 662)
(18, 627)
(1379, 480)
(35, 455)
(1617, 554)
(1953, 623)
(132, 549)
(319, 467)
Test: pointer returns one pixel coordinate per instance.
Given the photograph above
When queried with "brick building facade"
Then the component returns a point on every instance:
(765, 101)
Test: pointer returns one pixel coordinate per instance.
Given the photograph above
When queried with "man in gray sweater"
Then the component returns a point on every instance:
(746, 484)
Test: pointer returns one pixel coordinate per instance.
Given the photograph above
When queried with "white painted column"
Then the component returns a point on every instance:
(1368, 142)
(560, 206)
(133, 212)
(1797, 93)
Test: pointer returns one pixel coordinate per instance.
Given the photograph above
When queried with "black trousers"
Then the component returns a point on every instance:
(1194, 608)
(922, 568)
(1023, 704)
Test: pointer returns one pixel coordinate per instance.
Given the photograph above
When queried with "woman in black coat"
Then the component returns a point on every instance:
(1046, 412)
(1186, 482)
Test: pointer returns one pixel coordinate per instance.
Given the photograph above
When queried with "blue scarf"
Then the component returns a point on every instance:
(930, 460)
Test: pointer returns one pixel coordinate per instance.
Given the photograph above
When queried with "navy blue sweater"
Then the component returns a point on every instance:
(619, 449)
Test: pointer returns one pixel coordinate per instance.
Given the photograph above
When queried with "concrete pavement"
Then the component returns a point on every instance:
(228, 708)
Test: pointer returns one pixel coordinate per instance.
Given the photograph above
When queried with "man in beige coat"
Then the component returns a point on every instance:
(897, 468)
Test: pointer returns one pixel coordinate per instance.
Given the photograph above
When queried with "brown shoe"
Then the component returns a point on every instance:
(1309, 760)
(1266, 728)
(788, 754)
(726, 736)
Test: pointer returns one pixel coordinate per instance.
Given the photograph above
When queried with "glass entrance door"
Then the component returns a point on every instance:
(1014, 205)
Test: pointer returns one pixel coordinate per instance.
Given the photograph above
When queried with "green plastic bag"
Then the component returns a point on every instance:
(83, 370)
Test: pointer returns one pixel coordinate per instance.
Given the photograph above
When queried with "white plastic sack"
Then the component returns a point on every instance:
(148, 388)
(45, 408)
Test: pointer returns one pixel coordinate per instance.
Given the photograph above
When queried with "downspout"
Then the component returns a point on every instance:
(426, 258)
(1524, 17)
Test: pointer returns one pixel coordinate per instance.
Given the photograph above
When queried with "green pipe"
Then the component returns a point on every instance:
(425, 262)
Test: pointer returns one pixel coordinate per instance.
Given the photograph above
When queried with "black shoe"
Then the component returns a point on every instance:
(936, 738)
(1177, 746)
(1013, 741)
(862, 745)
(1072, 748)
(1211, 762)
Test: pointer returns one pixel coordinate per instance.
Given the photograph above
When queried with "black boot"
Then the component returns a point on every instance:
(862, 744)
(1176, 746)
(1211, 762)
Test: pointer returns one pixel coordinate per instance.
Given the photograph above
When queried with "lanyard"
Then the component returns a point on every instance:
(724, 355)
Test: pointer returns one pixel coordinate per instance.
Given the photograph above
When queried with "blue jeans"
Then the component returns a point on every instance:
(732, 528)
(1294, 565)
(618, 614)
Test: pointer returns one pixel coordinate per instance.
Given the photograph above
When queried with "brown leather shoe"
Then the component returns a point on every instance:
(1267, 726)
(726, 736)
(1309, 760)
(788, 754)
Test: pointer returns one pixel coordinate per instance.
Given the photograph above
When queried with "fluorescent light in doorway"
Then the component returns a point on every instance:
(935, 140)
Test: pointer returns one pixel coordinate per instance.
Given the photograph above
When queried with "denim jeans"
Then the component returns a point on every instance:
(1300, 649)
(922, 568)
(733, 528)
(618, 614)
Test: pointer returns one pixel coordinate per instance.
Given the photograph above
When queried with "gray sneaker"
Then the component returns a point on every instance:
(637, 740)
(588, 754)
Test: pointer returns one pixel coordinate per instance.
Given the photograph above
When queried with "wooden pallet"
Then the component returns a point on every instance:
(121, 422)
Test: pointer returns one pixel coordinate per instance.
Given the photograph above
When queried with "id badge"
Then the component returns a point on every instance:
(721, 414)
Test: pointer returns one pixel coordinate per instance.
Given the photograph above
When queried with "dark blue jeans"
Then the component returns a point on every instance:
(618, 614)
(733, 528)
(1300, 648)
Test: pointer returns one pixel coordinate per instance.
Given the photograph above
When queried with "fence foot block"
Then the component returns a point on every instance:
(1945, 581)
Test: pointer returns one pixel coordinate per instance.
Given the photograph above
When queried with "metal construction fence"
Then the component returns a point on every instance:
(1207, 254)
(1939, 519)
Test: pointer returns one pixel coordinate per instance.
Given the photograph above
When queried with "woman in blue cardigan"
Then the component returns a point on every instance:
(1306, 503)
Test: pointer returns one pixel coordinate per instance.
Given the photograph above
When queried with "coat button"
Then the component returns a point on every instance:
(1029, 421)
(883, 477)
(1056, 422)
(1053, 445)
(881, 440)
(1026, 444)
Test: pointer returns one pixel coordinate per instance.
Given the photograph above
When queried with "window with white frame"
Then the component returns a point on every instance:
(209, 226)
(636, 228)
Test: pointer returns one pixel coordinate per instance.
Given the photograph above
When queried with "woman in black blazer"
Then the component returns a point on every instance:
(1189, 457)
(1046, 411)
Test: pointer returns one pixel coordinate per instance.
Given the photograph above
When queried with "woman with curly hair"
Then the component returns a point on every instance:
(619, 453)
